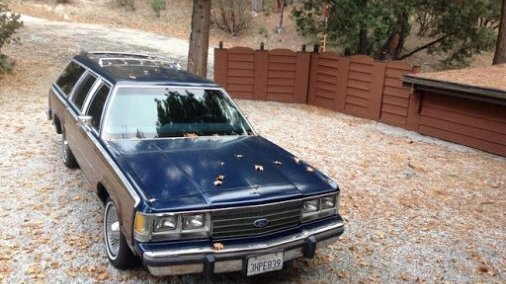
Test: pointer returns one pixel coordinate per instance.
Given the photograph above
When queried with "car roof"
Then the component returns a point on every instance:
(141, 69)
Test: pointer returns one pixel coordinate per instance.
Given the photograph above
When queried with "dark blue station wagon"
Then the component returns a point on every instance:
(187, 184)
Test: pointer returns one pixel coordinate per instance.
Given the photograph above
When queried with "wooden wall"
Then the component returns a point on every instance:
(473, 123)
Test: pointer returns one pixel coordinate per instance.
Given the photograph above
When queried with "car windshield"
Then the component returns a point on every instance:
(137, 112)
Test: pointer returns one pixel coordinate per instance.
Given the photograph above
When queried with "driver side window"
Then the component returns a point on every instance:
(82, 91)
(97, 105)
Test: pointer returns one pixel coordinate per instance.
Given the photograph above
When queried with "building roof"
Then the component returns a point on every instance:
(481, 81)
(139, 68)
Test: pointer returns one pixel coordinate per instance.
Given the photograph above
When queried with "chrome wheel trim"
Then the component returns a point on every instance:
(112, 231)
(65, 148)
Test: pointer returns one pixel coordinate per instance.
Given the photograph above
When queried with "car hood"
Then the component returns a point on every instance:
(213, 172)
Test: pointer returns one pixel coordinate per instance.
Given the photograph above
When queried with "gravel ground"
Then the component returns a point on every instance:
(417, 209)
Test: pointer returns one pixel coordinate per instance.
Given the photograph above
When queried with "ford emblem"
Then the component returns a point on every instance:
(260, 223)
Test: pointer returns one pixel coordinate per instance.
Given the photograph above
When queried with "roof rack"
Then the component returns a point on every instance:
(148, 58)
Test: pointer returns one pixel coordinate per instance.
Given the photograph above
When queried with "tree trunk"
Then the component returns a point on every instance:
(500, 49)
(199, 37)
(282, 12)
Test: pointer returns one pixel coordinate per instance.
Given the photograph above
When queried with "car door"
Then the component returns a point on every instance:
(89, 134)
(86, 85)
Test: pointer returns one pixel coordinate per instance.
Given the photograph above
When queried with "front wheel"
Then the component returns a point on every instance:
(118, 252)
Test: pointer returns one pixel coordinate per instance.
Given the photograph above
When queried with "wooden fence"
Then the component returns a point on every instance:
(355, 85)
(361, 87)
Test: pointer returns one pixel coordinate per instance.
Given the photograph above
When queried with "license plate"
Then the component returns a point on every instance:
(265, 263)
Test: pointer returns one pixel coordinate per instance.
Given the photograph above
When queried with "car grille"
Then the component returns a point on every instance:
(240, 221)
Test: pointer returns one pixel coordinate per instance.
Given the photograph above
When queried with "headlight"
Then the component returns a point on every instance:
(311, 205)
(166, 223)
(171, 226)
(328, 202)
(191, 222)
(322, 207)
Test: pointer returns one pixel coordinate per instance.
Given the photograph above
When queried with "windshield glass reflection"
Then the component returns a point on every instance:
(172, 112)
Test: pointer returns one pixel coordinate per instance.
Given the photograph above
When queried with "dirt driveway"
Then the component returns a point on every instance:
(417, 209)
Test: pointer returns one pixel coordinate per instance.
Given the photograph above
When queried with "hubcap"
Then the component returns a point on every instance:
(112, 231)
(65, 149)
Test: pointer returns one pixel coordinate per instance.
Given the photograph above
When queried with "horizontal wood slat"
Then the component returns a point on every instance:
(469, 119)
(357, 101)
(393, 109)
(393, 119)
(396, 92)
(463, 129)
(463, 139)
(282, 59)
(241, 57)
(240, 73)
(328, 94)
(396, 101)
(281, 67)
(332, 79)
(361, 68)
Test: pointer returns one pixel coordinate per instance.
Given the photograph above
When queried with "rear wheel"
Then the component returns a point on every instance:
(68, 158)
(118, 252)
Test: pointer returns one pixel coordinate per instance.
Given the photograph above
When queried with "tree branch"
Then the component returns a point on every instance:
(404, 56)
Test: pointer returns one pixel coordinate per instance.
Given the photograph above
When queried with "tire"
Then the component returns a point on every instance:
(68, 158)
(118, 251)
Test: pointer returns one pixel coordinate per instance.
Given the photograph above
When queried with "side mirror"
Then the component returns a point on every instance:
(84, 121)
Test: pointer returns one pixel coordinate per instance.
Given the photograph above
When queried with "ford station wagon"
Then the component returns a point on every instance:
(187, 184)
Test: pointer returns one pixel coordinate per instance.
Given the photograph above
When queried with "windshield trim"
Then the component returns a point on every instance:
(115, 93)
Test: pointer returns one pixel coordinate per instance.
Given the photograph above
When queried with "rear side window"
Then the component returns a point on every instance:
(97, 106)
(82, 90)
(69, 77)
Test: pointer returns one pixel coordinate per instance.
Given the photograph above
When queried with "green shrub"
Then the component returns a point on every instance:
(127, 3)
(232, 16)
(158, 6)
(268, 6)
(9, 23)
(262, 30)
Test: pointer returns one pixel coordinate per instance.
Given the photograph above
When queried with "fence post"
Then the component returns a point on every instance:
(261, 72)
(376, 91)
(302, 71)
(221, 65)
(343, 71)
(312, 76)
(415, 101)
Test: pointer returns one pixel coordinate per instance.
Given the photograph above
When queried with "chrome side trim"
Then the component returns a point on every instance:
(91, 94)
(243, 248)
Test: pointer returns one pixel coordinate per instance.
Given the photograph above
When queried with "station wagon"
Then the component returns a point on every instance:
(187, 185)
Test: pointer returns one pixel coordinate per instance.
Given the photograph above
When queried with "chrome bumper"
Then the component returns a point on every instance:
(207, 260)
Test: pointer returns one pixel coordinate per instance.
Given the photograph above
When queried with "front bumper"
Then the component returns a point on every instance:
(198, 258)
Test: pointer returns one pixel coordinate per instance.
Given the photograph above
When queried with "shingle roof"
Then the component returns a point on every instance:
(487, 81)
